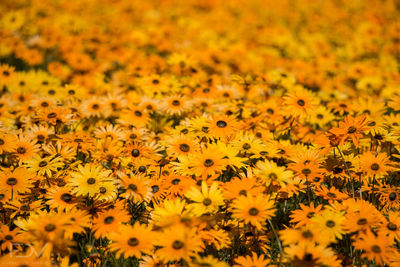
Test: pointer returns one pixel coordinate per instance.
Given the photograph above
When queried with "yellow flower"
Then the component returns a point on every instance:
(208, 200)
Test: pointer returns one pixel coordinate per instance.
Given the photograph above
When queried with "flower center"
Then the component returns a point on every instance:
(306, 171)
(184, 147)
(376, 249)
(43, 163)
(12, 181)
(391, 226)
(21, 150)
(331, 195)
(132, 187)
(273, 176)
(375, 166)
(177, 244)
(108, 219)
(362, 221)
(307, 234)
(138, 113)
(50, 227)
(52, 115)
(207, 202)
(337, 170)
(208, 163)
(330, 223)
(176, 103)
(392, 196)
(246, 146)
(301, 102)
(204, 129)
(133, 242)
(253, 211)
(91, 180)
(66, 197)
(8, 237)
(135, 153)
(155, 188)
(351, 130)
(221, 124)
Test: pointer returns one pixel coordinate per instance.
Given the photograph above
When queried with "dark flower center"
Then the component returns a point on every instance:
(12, 181)
(1, 142)
(138, 113)
(142, 169)
(50, 227)
(246, 146)
(66, 197)
(331, 195)
(135, 153)
(43, 163)
(253, 211)
(243, 193)
(307, 234)
(362, 221)
(392, 196)
(301, 102)
(102, 190)
(207, 202)
(52, 115)
(351, 130)
(177, 244)
(391, 226)
(273, 176)
(184, 147)
(108, 219)
(133, 242)
(330, 223)
(221, 124)
(306, 171)
(376, 249)
(375, 166)
(337, 170)
(155, 188)
(175, 181)
(310, 214)
(176, 103)
(91, 180)
(21, 150)
(208, 163)
(8, 237)
(133, 187)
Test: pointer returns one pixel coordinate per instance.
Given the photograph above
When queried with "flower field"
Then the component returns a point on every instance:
(199, 133)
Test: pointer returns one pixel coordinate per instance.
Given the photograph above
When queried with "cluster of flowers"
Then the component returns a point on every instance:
(199, 133)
